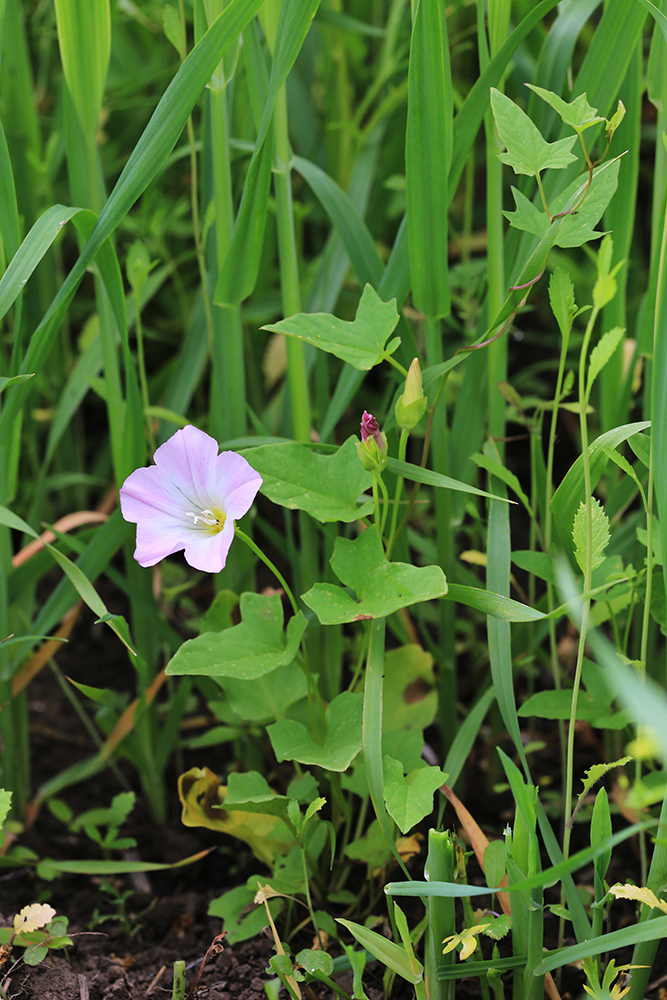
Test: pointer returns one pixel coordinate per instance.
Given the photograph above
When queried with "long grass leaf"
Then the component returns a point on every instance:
(428, 152)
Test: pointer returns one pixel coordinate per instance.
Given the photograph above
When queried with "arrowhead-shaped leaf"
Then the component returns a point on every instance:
(579, 115)
(327, 487)
(382, 587)
(248, 650)
(292, 741)
(528, 152)
(579, 227)
(360, 342)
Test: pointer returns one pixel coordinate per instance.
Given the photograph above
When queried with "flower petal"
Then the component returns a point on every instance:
(187, 460)
(156, 541)
(237, 483)
(148, 491)
(209, 552)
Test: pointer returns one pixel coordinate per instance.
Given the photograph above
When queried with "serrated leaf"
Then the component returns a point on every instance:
(409, 798)
(292, 741)
(597, 772)
(361, 343)
(599, 534)
(602, 353)
(528, 152)
(250, 649)
(5, 805)
(639, 893)
(327, 487)
(382, 587)
(561, 298)
(578, 114)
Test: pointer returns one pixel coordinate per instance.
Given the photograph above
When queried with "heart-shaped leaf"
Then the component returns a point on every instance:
(409, 798)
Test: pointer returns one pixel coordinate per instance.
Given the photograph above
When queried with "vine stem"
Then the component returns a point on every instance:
(588, 573)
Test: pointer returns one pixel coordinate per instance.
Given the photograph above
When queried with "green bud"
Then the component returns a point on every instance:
(411, 406)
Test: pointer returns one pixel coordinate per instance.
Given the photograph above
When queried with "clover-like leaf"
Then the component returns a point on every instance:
(292, 741)
(360, 342)
(528, 152)
(578, 114)
(248, 650)
(327, 487)
(382, 587)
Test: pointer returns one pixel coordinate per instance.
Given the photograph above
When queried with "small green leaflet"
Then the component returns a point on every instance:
(361, 342)
(598, 771)
(599, 534)
(579, 115)
(602, 353)
(528, 152)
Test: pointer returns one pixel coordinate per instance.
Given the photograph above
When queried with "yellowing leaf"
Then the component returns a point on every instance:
(467, 938)
(33, 917)
(640, 893)
(202, 796)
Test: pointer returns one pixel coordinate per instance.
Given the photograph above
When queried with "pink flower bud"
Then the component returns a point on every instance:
(370, 428)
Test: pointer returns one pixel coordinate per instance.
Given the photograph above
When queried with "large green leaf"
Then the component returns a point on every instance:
(248, 650)
(267, 697)
(382, 587)
(360, 342)
(327, 487)
(292, 741)
(84, 38)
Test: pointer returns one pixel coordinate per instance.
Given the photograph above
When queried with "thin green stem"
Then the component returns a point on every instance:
(540, 188)
(588, 574)
(141, 364)
(402, 449)
(267, 562)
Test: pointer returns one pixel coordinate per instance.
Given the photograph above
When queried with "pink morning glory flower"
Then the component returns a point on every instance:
(189, 500)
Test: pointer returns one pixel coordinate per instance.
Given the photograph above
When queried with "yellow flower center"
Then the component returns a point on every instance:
(211, 521)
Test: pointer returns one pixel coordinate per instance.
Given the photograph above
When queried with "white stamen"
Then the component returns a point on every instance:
(206, 517)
